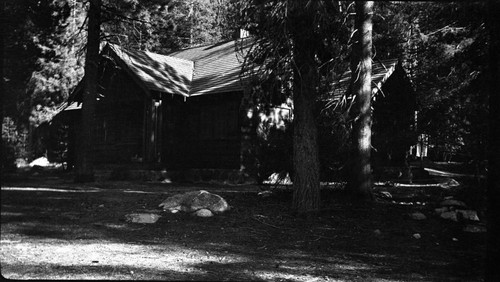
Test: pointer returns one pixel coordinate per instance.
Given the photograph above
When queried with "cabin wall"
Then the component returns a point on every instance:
(202, 132)
(119, 120)
(393, 120)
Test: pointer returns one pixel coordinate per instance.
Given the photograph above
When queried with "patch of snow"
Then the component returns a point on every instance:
(42, 161)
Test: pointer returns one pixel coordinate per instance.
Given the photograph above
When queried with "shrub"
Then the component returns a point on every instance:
(14, 143)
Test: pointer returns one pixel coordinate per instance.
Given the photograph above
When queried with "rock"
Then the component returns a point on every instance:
(418, 216)
(417, 236)
(194, 201)
(212, 202)
(203, 213)
(473, 228)
(173, 203)
(451, 215)
(453, 203)
(468, 215)
(142, 217)
(377, 232)
(441, 210)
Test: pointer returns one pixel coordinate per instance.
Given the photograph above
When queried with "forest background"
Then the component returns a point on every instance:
(443, 47)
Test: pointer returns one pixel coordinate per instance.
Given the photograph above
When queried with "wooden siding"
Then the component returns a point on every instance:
(119, 121)
(203, 132)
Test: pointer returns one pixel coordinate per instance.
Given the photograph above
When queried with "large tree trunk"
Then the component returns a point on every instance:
(360, 182)
(493, 244)
(306, 196)
(84, 166)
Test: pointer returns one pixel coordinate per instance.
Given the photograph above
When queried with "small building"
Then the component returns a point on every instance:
(186, 110)
(393, 111)
(178, 111)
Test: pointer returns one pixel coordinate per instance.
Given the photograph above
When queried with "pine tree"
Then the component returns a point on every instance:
(360, 181)
(84, 164)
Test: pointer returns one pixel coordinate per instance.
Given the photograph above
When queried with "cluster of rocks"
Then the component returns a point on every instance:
(199, 203)
(457, 211)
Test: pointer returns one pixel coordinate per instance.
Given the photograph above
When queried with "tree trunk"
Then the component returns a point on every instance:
(84, 166)
(306, 196)
(493, 211)
(360, 182)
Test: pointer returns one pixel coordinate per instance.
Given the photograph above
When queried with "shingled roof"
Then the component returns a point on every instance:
(208, 69)
(216, 67)
(155, 72)
(189, 72)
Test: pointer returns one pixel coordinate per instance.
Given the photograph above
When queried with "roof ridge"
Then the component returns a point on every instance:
(203, 45)
(122, 49)
(172, 57)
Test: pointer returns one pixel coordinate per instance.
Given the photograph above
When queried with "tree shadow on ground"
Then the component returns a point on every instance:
(259, 239)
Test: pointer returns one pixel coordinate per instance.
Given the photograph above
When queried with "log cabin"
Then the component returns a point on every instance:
(178, 111)
(186, 110)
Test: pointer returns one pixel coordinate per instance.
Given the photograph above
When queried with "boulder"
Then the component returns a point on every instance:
(194, 201)
(203, 213)
(174, 203)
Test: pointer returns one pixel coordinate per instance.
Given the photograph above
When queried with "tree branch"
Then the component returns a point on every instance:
(114, 12)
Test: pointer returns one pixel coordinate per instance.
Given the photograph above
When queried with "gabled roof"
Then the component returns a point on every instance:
(155, 72)
(216, 67)
(189, 72)
(381, 71)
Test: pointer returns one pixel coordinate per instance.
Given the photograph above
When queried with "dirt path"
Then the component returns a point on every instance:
(65, 231)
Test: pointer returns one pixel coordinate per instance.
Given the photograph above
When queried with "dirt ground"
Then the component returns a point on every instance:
(52, 228)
